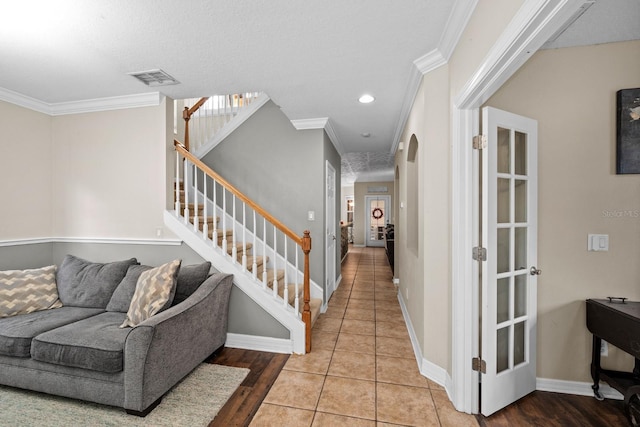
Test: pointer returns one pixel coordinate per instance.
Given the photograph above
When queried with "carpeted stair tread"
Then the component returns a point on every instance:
(238, 249)
(315, 305)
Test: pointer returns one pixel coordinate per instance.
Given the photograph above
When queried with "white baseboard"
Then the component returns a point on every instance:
(257, 343)
(576, 387)
(427, 369)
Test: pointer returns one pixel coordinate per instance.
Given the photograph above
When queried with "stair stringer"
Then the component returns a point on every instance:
(221, 261)
(241, 116)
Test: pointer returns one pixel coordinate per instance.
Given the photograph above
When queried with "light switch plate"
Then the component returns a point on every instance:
(598, 242)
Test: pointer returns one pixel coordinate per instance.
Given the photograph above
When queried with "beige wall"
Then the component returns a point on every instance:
(359, 191)
(427, 276)
(25, 173)
(109, 173)
(572, 94)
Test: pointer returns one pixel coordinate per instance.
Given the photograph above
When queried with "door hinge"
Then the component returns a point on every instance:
(479, 253)
(479, 365)
(479, 142)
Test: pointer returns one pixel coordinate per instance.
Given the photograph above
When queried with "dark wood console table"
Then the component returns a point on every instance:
(616, 321)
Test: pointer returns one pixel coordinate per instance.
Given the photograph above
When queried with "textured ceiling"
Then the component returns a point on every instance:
(314, 59)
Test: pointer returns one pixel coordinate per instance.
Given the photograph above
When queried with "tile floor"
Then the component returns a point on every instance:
(362, 370)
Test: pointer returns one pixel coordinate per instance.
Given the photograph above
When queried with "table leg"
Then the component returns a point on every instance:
(595, 367)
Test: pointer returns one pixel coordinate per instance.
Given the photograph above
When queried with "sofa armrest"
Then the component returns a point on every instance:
(166, 347)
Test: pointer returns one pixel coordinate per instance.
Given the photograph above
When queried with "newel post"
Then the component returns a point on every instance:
(186, 116)
(306, 310)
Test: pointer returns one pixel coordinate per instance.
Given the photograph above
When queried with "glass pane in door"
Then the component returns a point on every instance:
(502, 342)
(377, 220)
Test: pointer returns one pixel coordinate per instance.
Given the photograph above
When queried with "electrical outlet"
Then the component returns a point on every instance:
(604, 349)
(407, 293)
(158, 231)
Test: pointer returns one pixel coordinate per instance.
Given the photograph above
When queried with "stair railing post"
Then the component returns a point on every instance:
(306, 310)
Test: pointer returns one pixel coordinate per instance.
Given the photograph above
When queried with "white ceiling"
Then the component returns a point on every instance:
(313, 58)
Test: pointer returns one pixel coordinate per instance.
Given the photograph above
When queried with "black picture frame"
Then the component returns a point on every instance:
(628, 131)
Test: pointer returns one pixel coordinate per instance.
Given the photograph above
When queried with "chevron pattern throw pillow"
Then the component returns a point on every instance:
(154, 290)
(26, 291)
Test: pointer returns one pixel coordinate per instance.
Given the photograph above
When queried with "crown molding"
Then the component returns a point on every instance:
(320, 123)
(151, 99)
(457, 22)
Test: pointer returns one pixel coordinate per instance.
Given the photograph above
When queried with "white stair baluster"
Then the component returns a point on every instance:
(177, 196)
(205, 211)
(186, 191)
(254, 267)
(214, 235)
(264, 253)
(224, 220)
(285, 284)
(196, 217)
(275, 262)
(244, 236)
(296, 281)
(234, 247)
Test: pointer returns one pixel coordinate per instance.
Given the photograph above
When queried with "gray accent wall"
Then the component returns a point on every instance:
(282, 169)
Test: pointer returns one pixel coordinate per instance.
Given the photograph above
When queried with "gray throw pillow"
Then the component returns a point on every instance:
(83, 283)
(190, 277)
(121, 298)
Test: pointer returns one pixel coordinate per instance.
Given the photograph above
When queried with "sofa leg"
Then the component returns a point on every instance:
(146, 411)
(214, 354)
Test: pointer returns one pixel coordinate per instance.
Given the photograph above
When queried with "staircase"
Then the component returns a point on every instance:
(270, 263)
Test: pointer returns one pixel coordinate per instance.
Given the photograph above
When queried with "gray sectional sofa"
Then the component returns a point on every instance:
(81, 351)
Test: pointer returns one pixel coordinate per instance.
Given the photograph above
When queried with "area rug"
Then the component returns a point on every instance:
(194, 401)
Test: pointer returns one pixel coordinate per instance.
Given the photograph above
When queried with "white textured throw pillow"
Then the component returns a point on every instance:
(26, 291)
(154, 289)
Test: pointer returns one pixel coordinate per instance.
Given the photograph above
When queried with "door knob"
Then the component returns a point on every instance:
(535, 272)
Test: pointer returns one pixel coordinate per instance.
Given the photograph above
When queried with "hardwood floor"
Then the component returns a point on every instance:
(537, 409)
(556, 409)
(243, 404)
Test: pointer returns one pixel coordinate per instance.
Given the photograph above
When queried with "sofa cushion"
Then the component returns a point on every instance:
(155, 290)
(190, 277)
(26, 291)
(17, 332)
(121, 298)
(95, 343)
(83, 283)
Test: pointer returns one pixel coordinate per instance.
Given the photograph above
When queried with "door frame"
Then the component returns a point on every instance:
(531, 27)
(367, 223)
(331, 255)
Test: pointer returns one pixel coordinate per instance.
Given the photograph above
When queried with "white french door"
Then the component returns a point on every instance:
(509, 274)
(378, 209)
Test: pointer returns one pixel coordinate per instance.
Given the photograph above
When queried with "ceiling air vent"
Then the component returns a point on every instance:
(155, 78)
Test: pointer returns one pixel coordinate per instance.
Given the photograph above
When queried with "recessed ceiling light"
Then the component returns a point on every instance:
(366, 98)
(365, 134)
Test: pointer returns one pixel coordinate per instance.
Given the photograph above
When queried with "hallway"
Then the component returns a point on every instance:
(362, 370)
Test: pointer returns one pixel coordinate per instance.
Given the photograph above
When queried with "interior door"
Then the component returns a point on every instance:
(330, 226)
(378, 209)
(509, 278)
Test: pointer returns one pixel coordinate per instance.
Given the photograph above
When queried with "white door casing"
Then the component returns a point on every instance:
(377, 211)
(509, 274)
(330, 230)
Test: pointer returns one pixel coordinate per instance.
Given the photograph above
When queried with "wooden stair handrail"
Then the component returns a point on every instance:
(206, 169)
(304, 242)
(186, 115)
